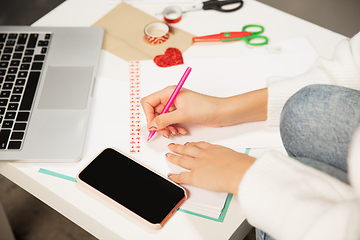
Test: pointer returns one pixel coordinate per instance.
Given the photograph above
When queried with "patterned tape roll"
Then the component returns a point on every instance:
(156, 32)
(172, 14)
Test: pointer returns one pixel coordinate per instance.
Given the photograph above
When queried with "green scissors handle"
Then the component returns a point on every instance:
(255, 36)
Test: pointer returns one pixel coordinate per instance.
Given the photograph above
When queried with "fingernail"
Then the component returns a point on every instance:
(166, 154)
(172, 133)
(154, 126)
(186, 143)
(171, 144)
(166, 136)
(183, 133)
(169, 175)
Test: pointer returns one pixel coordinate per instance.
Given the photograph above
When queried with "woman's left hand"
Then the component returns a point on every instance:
(212, 167)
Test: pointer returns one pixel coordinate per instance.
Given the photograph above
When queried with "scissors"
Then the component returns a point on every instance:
(222, 6)
(173, 14)
(251, 38)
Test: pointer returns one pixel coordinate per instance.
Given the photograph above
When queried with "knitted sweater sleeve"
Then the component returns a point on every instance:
(290, 200)
(343, 69)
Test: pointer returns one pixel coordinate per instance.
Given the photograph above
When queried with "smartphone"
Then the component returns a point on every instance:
(132, 187)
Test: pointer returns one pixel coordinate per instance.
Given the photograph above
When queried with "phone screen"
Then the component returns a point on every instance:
(132, 185)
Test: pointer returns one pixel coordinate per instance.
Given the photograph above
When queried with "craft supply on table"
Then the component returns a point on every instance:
(173, 13)
(252, 38)
(218, 5)
(135, 107)
(156, 32)
(172, 97)
(171, 57)
(124, 34)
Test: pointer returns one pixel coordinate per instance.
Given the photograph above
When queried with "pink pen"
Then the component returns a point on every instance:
(173, 96)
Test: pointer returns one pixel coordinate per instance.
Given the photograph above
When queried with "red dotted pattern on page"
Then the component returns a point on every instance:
(135, 107)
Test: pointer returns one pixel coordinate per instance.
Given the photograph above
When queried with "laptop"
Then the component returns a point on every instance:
(47, 76)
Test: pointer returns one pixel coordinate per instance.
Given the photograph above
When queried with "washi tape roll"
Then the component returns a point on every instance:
(156, 32)
(172, 14)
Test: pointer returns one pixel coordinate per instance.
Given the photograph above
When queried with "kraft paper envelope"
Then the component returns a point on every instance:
(124, 34)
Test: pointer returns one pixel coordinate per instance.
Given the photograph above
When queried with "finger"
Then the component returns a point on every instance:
(182, 161)
(188, 150)
(164, 132)
(190, 143)
(167, 133)
(172, 108)
(155, 102)
(183, 177)
(166, 119)
(159, 108)
(149, 107)
(181, 130)
(149, 111)
(173, 130)
(202, 145)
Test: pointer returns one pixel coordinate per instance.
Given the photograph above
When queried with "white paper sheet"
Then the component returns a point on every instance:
(222, 78)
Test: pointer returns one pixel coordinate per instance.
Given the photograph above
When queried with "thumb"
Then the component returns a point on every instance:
(164, 120)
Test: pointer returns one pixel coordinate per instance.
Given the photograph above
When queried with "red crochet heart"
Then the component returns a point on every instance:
(171, 57)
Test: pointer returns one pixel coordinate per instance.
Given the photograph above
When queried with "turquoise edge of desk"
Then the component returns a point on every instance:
(220, 219)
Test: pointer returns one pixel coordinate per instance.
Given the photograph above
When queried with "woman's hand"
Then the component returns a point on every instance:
(210, 111)
(212, 167)
(188, 106)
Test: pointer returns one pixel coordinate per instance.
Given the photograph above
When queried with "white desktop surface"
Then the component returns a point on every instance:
(99, 218)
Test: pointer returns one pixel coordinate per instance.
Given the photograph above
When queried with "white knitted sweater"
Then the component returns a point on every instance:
(289, 200)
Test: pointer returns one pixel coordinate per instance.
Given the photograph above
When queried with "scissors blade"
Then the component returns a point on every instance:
(208, 38)
(224, 36)
(193, 7)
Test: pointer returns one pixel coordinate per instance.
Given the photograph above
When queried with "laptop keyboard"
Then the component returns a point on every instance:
(22, 57)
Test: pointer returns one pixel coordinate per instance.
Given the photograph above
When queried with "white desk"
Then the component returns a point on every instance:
(102, 220)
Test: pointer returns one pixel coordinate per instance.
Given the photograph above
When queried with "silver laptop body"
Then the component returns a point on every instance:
(54, 130)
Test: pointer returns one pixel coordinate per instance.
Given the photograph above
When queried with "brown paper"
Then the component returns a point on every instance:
(124, 34)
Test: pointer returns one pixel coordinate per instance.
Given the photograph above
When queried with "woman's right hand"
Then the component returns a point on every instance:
(189, 106)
